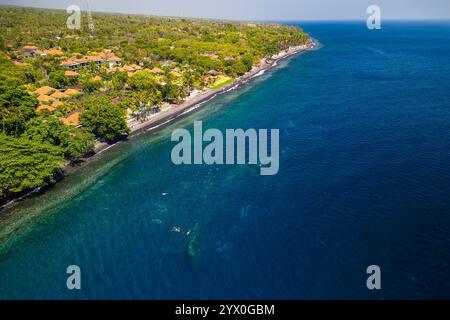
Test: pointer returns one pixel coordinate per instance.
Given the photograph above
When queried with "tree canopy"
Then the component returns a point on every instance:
(26, 164)
(104, 118)
(74, 142)
(16, 108)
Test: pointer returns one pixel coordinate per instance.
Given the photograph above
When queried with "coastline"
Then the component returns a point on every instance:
(170, 114)
(167, 116)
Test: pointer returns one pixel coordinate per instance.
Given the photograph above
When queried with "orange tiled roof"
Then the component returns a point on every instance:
(73, 119)
(135, 67)
(93, 57)
(21, 64)
(128, 68)
(44, 90)
(114, 59)
(45, 107)
(156, 70)
(70, 73)
(44, 98)
(53, 52)
(68, 63)
(29, 47)
(59, 95)
(57, 104)
(72, 92)
(175, 74)
(97, 78)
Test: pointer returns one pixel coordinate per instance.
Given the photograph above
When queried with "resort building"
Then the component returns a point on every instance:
(99, 58)
(33, 51)
(53, 52)
(21, 64)
(29, 51)
(70, 73)
(175, 74)
(72, 119)
(57, 104)
(45, 107)
(156, 71)
(58, 96)
(72, 92)
(46, 90)
(45, 99)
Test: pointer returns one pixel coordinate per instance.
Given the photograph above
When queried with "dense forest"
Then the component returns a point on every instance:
(63, 89)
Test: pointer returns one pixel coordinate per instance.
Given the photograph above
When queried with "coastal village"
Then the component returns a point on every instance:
(52, 98)
(73, 64)
(69, 93)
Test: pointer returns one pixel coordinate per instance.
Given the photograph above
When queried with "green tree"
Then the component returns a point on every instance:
(74, 142)
(104, 119)
(89, 85)
(118, 80)
(58, 79)
(80, 142)
(26, 164)
(172, 92)
(16, 108)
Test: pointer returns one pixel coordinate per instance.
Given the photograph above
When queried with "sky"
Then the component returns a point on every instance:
(260, 9)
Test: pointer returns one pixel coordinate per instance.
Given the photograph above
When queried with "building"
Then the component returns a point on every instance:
(156, 71)
(213, 73)
(53, 52)
(72, 119)
(29, 51)
(57, 104)
(99, 58)
(175, 74)
(58, 96)
(33, 51)
(46, 90)
(72, 92)
(45, 107)
(71, 73)
(45, 99)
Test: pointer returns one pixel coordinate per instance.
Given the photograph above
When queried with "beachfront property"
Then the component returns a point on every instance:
(50, 98)
(72, 119)
(31, 51)
(99, 58)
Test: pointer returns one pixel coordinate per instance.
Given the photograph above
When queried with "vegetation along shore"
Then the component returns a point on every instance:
(66, 95)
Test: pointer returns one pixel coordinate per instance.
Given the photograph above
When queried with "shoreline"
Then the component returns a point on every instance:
(170, 114)
(167, 116)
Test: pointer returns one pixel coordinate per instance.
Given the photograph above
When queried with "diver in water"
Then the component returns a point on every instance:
(176, 229)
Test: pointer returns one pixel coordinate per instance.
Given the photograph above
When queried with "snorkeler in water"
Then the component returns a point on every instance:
(176, 229)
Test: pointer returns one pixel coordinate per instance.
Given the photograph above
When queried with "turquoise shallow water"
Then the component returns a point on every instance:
(364, 179)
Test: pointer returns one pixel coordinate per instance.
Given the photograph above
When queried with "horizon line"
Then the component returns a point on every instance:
(240, 20)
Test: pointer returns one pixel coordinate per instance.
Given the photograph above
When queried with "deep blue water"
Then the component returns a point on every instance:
(364, 179)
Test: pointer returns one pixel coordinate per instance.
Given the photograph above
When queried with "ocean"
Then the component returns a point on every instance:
(364, 179)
